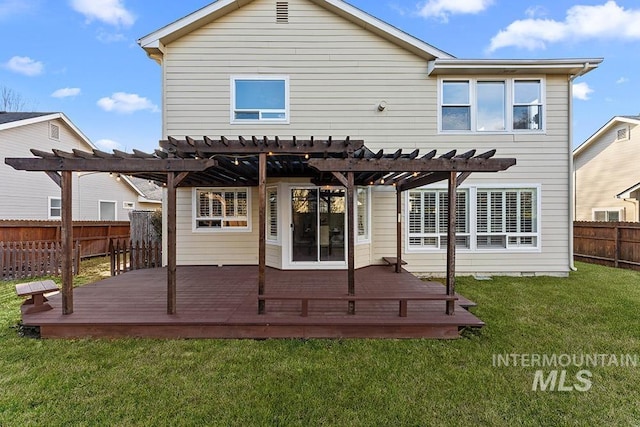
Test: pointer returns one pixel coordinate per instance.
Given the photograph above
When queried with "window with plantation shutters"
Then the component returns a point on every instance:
(506, 218)
(219, 209)
(272, 214)
(428, 219)
(362, 210)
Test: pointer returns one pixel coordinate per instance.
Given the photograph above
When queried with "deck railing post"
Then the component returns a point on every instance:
(171, 243)
(262, 228)
(451, 240)
(67, 243)
(351, 279)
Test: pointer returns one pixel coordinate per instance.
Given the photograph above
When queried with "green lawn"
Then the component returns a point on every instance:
(344, 382)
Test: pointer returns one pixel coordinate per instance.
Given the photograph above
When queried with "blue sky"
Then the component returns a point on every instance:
(81, 56)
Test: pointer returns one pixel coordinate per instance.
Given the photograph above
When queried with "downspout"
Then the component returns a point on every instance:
(571, 212)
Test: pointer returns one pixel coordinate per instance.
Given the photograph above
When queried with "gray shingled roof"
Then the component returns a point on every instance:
(632, 117)
(150, 190)
(8, 117)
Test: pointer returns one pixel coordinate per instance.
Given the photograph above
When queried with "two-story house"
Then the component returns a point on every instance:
(607, 178)
(323, 68)
(34, 196)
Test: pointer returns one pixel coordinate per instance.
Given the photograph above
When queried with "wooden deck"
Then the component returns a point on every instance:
(221, 302)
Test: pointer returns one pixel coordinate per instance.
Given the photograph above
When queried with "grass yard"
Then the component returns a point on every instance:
(344, 382)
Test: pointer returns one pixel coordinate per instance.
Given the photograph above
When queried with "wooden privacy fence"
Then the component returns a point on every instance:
(93, 236)
(20, 260)
(616, 244)
(126, 256)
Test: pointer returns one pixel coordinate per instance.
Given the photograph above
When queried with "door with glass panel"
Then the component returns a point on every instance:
(318, 224)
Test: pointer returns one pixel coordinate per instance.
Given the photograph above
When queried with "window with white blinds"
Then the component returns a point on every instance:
(272, 213)
(428, 219)
(486, 218)
(221, 208)
(362, 210)
(507, 218)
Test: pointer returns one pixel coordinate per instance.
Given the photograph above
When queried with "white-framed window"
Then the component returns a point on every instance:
(222, 209)
(428, 219)
(128, 205)
(259, 99)
(486, 218)
(272, 214)
(54, 209)
(491, 105)
(107, 210)
(607, 214)
(363, 214)
(507, 218)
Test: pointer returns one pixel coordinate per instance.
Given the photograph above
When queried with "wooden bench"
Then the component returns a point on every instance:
(36, 291)
(402, 300)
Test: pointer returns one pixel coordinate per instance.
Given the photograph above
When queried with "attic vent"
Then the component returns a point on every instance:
(621, 134)
(54, 131)
(282, 12)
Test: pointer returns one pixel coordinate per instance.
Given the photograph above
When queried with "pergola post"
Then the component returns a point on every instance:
(451, 240)
(398, 230)
(171, 243)
(351, 259)
(67, 242)
(262, 233)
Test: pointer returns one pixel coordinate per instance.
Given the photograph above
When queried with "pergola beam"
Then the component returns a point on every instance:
(125, 166)
(473, 164)
(225, 146)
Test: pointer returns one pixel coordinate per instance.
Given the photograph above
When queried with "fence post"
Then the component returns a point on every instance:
(616, 256)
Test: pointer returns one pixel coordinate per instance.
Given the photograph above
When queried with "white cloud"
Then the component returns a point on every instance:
(443, 8)
(121, 102)
(112, 12)
(606, 21)
(25, 65)
(106, 37)
(534, 11)
(66, 92)
(581, 91)
(13, 7)
(108, 145)
(622, 80)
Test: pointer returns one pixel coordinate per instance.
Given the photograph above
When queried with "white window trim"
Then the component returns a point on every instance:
(278, 239)
(473, 219)
(509, 103)
(115, 210)
(363, 240)
(232, 102)
(612, 209)
(194, 211)
(49, 199)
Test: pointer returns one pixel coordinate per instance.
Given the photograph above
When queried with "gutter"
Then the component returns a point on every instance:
(572, 203)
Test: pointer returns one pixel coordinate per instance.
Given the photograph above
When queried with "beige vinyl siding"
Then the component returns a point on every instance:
(274, 256)
(604, 169)
(25, 195)
(338, 74)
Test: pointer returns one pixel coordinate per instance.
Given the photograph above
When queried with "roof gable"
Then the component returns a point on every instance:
(634, 120)
(153, 42)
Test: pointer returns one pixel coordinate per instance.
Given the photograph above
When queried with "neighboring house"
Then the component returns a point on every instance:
(325, 68)
(34, 196)
(606, 172)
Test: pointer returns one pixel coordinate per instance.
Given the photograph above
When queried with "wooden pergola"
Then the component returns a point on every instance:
(247, 162)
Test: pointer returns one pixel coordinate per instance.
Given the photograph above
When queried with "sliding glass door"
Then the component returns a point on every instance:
(318, 224)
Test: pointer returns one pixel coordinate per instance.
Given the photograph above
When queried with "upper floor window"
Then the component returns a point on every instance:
(259, 99)
(609, 215)
(476, 105)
